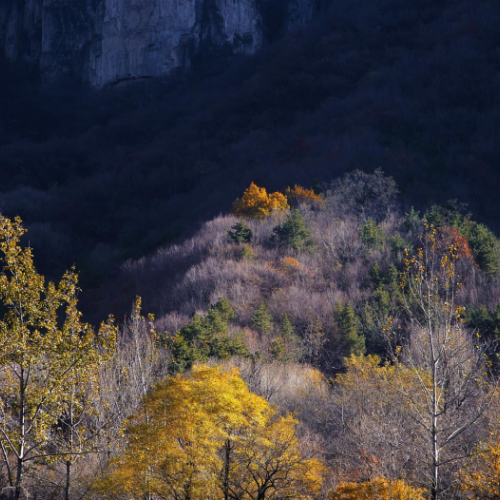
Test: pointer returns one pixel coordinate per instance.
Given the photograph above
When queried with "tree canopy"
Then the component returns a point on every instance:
(206, 436)
(48, 357)
(256, 203)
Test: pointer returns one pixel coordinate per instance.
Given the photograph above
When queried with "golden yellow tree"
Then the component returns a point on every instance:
(172, 448)
(378, 489)
(196, 441)
(46, 352)
(256, 203)
(269, 464)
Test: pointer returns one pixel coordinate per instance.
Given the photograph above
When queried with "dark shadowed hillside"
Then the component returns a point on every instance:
(411, 87)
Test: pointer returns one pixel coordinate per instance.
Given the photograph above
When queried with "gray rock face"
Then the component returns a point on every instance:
(107, 41)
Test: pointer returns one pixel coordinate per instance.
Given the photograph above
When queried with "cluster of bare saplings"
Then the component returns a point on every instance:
(306, 347)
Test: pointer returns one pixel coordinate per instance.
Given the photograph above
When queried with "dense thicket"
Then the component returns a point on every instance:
(409, 86)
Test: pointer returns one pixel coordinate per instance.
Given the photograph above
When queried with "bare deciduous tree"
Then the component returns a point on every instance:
(444, 360)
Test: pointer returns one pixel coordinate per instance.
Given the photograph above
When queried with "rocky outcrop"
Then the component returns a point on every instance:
(107, 41)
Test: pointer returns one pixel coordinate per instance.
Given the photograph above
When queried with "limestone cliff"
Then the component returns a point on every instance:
(107, 41)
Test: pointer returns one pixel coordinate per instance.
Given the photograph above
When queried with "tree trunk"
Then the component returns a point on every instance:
(227, 460)
(67, 487)
(22, 437)
(435, 355)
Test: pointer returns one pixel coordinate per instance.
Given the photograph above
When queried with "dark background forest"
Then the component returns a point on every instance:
(103, 177)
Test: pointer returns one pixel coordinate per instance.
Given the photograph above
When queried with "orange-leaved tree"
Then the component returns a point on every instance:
(298, 195)
(256, 203)
(206, 436)
(377, 489)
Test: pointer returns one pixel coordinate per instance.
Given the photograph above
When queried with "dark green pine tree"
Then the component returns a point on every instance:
(375, 274)
(371, 234)
(182, 354)
(412, 222)
(294, 232)
(485, 246)
(286, 327)
(240, 233)
(207, 337)
(347, 324)
(287, 346)
(263, 320)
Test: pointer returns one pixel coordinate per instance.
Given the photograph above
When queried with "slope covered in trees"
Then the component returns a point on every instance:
(374, 327)
(329, 268)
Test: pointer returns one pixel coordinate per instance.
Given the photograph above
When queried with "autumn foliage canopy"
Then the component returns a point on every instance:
(206, 436)
(256, 203)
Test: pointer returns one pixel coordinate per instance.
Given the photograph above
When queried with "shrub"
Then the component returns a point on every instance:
(247, 253)
(378, 489)
(290, 266)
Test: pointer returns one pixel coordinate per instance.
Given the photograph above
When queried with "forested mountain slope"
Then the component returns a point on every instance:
(378, 326)
(319, 281)
(324, 346)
